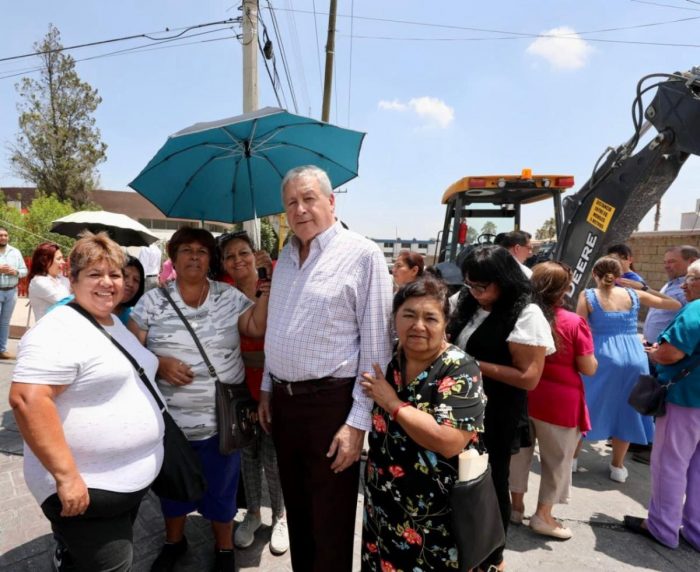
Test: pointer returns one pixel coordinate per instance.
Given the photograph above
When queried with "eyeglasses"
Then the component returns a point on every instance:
(689, 279)
(477, 288)
(231, 235)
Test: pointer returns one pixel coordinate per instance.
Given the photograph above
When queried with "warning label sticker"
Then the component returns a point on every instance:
(601, 214)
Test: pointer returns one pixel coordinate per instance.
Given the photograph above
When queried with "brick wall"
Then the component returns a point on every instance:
(649, 248)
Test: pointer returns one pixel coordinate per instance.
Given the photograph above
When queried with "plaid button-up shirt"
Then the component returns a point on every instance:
(331, 315)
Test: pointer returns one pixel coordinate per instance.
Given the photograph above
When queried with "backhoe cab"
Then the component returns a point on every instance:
(494, 197)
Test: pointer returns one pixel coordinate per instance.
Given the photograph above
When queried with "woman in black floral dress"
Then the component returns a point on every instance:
(428, 408)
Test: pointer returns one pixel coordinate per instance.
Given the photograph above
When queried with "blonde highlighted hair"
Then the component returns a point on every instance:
(91, 249)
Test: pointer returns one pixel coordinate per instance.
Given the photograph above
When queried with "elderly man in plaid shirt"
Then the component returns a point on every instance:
(328, 322)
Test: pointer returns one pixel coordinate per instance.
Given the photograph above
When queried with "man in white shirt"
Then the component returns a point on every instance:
(149, 257)
(518, 243)
(12, 268)
(328, 322)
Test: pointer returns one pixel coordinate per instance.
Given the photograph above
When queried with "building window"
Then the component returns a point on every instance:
(388, 245)
(406, 245)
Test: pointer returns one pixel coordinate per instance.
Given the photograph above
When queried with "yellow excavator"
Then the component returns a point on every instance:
(623, 186)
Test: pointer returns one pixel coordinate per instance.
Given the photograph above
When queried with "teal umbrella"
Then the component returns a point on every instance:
(231, 170)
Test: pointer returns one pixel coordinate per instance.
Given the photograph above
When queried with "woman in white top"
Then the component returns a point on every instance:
(47, 285)
(496, 323)
(93, 433)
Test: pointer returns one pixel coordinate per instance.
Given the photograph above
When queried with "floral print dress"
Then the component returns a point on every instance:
(406, 525)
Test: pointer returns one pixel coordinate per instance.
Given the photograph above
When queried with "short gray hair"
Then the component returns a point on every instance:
(687, 251)
(309, 171)
(694, 267)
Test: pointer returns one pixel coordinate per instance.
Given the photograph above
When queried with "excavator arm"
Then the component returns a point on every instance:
(626, 185)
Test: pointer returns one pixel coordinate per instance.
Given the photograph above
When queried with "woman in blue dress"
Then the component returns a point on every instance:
(612, 315)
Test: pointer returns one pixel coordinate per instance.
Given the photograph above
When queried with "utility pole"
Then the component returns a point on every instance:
(330, 52)
(250, 85)
(250, 55)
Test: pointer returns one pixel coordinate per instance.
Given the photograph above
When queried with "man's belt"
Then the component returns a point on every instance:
(6, 288)
(307, 386)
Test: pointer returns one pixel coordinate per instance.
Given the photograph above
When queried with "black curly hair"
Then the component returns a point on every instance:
(492, 264)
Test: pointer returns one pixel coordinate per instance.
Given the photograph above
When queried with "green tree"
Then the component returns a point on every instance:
(58, 146)
(547, 231)
(489, 228)
(30, 229)
(268, 237)
(472, 235)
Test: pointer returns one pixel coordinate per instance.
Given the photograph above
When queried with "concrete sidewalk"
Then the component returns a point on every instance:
(594, 515)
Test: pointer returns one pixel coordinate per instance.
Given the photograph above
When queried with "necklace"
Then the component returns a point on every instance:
(195, 323)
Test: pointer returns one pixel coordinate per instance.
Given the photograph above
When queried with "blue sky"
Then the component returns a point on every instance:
(438, 101)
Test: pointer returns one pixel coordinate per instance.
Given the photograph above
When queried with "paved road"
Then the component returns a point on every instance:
(594, 515)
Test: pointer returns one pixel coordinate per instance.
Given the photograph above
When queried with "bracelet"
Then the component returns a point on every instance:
(399, 407)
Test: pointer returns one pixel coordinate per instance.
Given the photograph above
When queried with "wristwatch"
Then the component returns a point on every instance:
(645, 287)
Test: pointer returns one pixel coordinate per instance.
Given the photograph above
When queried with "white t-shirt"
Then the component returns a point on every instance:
(531, 329)
(110, 420)
(149, 257)
(527, 271)
(44, 291)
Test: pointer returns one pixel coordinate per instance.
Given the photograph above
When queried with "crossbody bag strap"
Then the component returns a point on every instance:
(210, 367)
(142, 374)
(684, 372)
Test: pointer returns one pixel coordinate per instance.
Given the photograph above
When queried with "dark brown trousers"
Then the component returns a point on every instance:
(321, 504)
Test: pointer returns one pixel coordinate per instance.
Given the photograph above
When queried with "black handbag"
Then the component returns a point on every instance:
(236, 410)
(181, 477)
(648, 396)
(477, 528)
(476, 520)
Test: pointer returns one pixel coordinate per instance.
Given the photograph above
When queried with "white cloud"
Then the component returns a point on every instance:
(435, 111)
(562, 47)
(394, 105)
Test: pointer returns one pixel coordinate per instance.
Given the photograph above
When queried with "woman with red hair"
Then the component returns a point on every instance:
(47, 285)
(407, 268)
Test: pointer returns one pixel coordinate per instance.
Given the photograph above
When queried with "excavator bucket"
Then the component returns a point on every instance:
(610, 206)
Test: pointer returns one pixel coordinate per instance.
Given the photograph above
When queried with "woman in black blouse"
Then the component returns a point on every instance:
(496, 323)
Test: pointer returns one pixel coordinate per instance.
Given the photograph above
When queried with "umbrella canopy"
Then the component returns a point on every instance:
(231, 170)
(121, 229)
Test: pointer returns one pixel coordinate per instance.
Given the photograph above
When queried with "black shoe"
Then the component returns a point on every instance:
(169, 555)
(636, 524)
(225, 561)
(643, 457)
(62, 560)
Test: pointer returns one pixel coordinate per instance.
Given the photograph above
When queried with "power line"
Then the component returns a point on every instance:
(296, 51)
(283, 55)
(274, 76)
(496, 31)
(318, 45)
(43, 238)
(135, 49)
(121, 39)
(553, 36)
(267, 66)
(666, 5)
